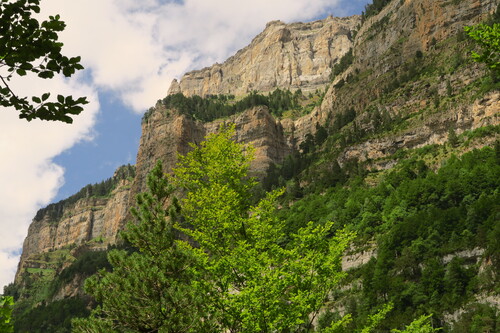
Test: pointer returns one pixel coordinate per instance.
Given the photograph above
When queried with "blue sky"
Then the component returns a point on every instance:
(131, 51)
(116, 139)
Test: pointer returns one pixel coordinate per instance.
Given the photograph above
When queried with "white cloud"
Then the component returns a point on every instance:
(134, 49)
(137, 48)
(28, 177)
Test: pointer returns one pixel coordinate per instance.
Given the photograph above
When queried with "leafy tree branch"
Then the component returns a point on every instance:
(28, 46)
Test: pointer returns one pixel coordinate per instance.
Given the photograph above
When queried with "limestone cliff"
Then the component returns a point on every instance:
(417, 25)
(167, 133)
(70, 223)
(292, 56)
(408, 38)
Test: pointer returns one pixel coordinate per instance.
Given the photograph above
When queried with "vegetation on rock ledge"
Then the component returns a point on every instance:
(55, 211)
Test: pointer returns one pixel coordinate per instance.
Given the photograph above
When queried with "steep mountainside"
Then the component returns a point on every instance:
(410, 49)
(292, 56)
(403, 101)
(95, 213)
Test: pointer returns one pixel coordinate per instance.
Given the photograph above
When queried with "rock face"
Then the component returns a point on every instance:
(292, 56)
(418, 24)
(86, 219)
(434, 130)
(167, 133)
(390, 41)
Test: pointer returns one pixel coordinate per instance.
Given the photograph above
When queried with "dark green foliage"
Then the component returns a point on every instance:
(214, 107)
(11, 290)
(291, 167)
(410, 71)
(481, 132)
(339, 84)
(419, 216)
(346, 60)
(148, 290)
(125, 172)
(53, 317)
(343, 119)
(6, 306)
(309, 151)
(320, 135)
(478, 318)
(308, 145)
(85, 265)
(453, 138)
(376, 121)
(55, 211)
(27, 45)
(204, 109)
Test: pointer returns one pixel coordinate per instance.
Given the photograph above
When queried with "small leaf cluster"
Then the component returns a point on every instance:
(28, 46)
(488, 38)
(6, 306)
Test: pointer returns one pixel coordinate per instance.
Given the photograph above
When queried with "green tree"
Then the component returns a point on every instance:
(27, 46)
(419, 325)
(453, 138)
(255, 282)
(488, 38)
(151, 288)
(6, 306)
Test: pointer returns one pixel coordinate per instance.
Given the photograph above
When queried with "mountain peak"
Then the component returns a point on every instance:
(287, 56)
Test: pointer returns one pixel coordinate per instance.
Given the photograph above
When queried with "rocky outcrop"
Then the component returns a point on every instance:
(358, 257)
(416, 25)
(290, 56)
(384, 43)
(433, 130)
(404, 34)
(82, 221)
(167, 133)
(164, 135)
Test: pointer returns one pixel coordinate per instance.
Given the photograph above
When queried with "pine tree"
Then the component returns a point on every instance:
(453, 138)
(150, 288)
